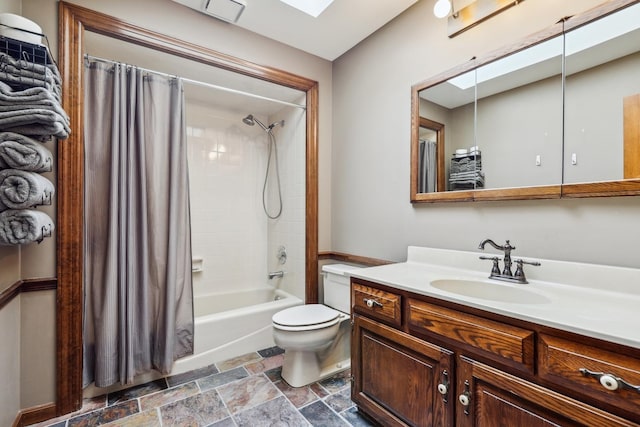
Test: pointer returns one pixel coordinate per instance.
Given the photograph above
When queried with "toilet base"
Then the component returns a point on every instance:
(301, 368)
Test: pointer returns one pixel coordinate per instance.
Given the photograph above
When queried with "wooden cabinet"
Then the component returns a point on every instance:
(494, 398)
(397, 376)
(378, 304)
(418, 361)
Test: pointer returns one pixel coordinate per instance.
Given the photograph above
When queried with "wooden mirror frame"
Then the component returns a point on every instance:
(73, 22)
(626, 187)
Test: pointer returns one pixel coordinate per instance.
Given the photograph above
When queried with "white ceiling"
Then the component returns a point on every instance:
(344, 24)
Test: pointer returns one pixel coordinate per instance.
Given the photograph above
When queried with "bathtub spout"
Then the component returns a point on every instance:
(274, 274)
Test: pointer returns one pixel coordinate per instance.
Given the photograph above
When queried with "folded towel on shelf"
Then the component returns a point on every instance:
(21, 152)
(21, 107)
(23, 189)
(40, 122)
(21, 67)
(18, 227)
(32, 96)
(24, 74)
(42, 69)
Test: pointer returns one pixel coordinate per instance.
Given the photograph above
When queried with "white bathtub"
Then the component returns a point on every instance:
(232, 324)
(226, 325)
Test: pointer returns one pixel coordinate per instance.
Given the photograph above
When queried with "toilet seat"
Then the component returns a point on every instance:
(306, 317)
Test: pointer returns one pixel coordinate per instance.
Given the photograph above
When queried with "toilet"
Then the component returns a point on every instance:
(316, 338)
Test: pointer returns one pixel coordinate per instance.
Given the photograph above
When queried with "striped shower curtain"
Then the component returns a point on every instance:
(138, 294)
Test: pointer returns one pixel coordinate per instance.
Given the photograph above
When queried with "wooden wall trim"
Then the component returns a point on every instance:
(73, 22)
(10, 293)
(27, 285)
(356, 259)
(36, 414)
(42, 412)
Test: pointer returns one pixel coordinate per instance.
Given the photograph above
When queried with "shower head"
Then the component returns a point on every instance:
(250, 120)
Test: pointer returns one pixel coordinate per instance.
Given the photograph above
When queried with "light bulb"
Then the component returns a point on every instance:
(442, 8)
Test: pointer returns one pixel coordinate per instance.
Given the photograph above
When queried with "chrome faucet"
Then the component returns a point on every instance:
(274, 274)
(506, 273)
(506, 248)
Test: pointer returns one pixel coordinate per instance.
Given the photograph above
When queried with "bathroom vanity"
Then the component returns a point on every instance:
(430, 348)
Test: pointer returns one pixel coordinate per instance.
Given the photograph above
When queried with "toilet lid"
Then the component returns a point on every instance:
(305, 315)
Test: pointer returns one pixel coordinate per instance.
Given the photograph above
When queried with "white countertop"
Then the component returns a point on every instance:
(594, 300)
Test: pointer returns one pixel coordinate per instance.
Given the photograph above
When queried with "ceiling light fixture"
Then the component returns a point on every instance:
(442, 8)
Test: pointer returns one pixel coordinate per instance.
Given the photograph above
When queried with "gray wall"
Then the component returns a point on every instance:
(10, 314)
(371, 212)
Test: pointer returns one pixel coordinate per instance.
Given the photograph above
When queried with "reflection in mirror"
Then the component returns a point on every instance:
(451, 104)
(504, 120)
(519, 117)
(430, 156)
(602, 99)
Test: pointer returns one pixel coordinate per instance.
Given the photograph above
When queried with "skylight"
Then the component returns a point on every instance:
(310, 7)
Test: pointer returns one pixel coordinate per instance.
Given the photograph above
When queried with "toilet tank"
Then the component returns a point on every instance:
(336, 286)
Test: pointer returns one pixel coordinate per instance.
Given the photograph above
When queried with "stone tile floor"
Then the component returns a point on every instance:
(243, 391)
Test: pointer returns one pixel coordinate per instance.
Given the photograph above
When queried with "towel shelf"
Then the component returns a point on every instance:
(20, 50)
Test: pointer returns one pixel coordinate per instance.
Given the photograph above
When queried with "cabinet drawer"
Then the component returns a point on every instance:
(563, 361)
(376, 303)
(496, 340)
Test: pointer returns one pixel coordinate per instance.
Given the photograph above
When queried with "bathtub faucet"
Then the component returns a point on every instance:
(274, 274)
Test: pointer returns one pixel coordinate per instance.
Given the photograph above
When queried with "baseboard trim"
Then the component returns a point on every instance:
(356, 259)
(35, 414)
(27, 285)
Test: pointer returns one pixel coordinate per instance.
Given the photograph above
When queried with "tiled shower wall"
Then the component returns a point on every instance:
(289, 229)
(230, 232)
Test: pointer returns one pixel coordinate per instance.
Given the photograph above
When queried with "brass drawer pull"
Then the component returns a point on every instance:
(372, 303)
(608, 381)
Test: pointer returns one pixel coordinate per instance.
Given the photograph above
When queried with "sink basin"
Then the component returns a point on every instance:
(490, 291)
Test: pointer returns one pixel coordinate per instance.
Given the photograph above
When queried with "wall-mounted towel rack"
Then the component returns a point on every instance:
(18, 49)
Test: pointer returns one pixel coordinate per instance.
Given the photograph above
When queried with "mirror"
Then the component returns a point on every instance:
(602, 97)
(519, 117)
(430, 156)
(446, 104)
(524, 128)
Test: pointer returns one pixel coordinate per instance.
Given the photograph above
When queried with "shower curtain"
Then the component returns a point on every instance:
(138, 293)
(428, 167)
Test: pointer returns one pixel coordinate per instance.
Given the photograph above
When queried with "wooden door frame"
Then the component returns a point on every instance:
(73, 21)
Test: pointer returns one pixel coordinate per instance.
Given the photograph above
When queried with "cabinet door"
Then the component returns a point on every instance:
(489, 397)
(398, 379)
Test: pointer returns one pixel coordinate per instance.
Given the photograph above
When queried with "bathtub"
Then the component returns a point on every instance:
(227, 325)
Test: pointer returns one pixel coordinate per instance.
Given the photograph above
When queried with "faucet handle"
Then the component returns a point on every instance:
(495, 270)
(521, 261)
(519, 274)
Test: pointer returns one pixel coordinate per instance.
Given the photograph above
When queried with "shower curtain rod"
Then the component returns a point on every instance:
(199, 83)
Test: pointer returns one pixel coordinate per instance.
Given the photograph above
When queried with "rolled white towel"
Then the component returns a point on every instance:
(22, 189)
(21, 152)
(18, 227)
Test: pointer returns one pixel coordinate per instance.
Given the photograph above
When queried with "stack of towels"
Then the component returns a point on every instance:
(30, 115)
(465, 172)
